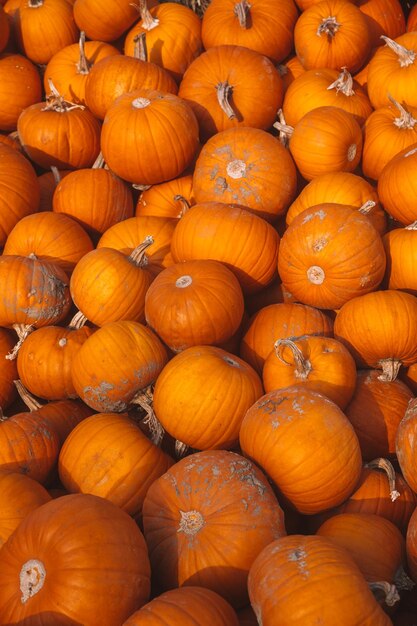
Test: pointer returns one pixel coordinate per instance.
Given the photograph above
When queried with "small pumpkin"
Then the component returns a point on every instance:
(397, 186)
(405, 444)
(169, 199)
(20, 86)
(400, 249)
(106, 25)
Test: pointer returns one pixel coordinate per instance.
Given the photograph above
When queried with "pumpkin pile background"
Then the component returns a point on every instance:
(208, 313)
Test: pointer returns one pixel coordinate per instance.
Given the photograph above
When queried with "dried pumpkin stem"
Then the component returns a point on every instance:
(302, 365)
(56, 174)
(343, 83)
(406, 120)
(390, 369)
(83, 67)
(402, 580)
(185, 205)
(387, 467)
(148, 22)
(22, 331)
(367, 207)
(77, 321)
(180, 449)
(329, 26)
(412, 226)
(138, 256)
(389, 592)
(191, 522)
(32, 4)
(241, 10)
(144, 399)
(32, 578)
(224, 91)
(140, 50)
(405, 57)
(56, 102)
(285, 130)
(30, 401)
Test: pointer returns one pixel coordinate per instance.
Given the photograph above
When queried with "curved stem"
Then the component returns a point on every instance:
(224, 91)
(241, 10)
(406, 120)
(138, 256)
(83, 66)
(302, 365)
(387, 467)
(30, 401)
(285, 130)
(144, 399)
(140, 50)
(56, 174)
(185, 205)
(390, 593)
(405, 57)
(343, 83)
(55, 102)
(148, 22)
(22, 331)
(390, 369)
(329, 26)
(77, 321)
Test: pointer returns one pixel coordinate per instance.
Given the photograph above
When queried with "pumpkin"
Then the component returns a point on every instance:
(405, 444)
(287, 575)
(49, 236)
(280, 321)
(322, 364)
(387, 131)
(169, 199)
(289, 70)
(48, 182)
(44, 27)
(408, 375)
(261, 25)
(375, 411)
(232, 235)
(68, 534)
(412, 19)
(114, 75)
(411, 545)
(341, 188)
(156, 123)
(330, 254)
(95, 197)
(334, 34)
(108, 455)
(107, 286)
(70, 66)
(261, 177)
(201, 397)
(399, 246)
(115, 363)
(20, 86)
(19, 189)
(60, 133)
(378, 330)
(184, 509)
(397, 186)
(193, 303)
(8, 370)
(230, 86)
(305, 444)
(326, 139)
(159, 23)
(190, 606)
(109, 24)
(384, 17)
(325, 87)
(393, 70)
(5, 29)
(19, 495)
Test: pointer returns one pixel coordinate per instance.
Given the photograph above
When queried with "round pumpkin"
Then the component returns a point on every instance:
(106, 25)
(400, 249)
(169, 199)
(20, 86)
(412, 545)
(405, 446)
(397, 186)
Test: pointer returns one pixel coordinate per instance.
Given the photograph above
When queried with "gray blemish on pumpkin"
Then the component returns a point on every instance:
(319, 244)
(299, 556)
(297, 407)
(320, 214)
(98, 396)
(364, 280)
(245, 473)
(270, 405)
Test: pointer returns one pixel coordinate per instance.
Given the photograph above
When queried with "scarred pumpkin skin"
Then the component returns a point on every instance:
(64, 539)
(184, 510)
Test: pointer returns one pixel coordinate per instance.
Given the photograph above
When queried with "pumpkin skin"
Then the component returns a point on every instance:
(194, 303)
(172, 52)
(267, 26)
(400, 246)
(405, 445)
(378, 328)
(326, 139)
(397, 186)
(412, 19)
(20, 87)
(69, 533)
(19, 189)
(147, 121)
(63, 415)
(384, 17)
(202, 395)
(8, 370)
(166, 199)
(375, 411)
(334, 34)
(411, 545)
(325, 87)
(249, 233)
(330, 254)
(280, 321)
(181, 516)
(108, 24)
(288, 571)
(19, 495)
(115, 363)
(108, 455)
(188, 606)
(50, 236)
(341, 188)
(256, 85)
(113, 76)
(322, 364)
(262, 178)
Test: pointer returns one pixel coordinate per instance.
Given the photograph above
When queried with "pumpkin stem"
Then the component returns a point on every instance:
(83, 67)
(224, 91)
(405, 57)
(402, 580)
(138, 256)
(140, 50)
(55, 102)
(412, 226)
(302, 365)
(191, 522)
(22, 331)
(406, 120)
(390, 369)
(343, 83)
(33, 4)
(316, 275)
(329, 26)
(387, 467)
(144, 399)
(284, 129)
(180, 449)
(367, 207)
(56, 174)
(148, 22)
(140, 187)
(77, 321)
(32, 578)
(241, 10)
(185, 205)
(99, 162)
(30, 401)
(390, 593)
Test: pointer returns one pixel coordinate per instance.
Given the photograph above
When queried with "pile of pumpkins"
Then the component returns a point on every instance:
(208, 313)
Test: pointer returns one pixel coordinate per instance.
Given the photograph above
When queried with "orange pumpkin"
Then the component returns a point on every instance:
(37, 557)
(400, 247)
(330, 254)
(289, 70)
(194, 303)
(169, 199)
(8, 370)
(254, 250)
(334, 34)
(378, 330)
(182, 514)
(48, 182)
(20, 86)
(248, 167)
(405, 444)
(202, 395)
(289, 572)
(412, 19)
(397, 186)
(109, 24)
(384, 17)
(411, 545)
